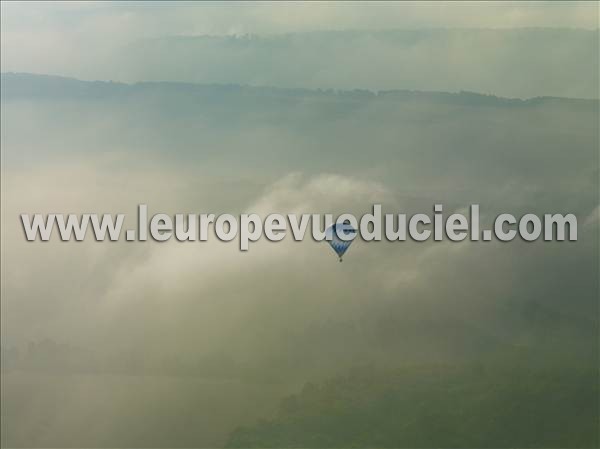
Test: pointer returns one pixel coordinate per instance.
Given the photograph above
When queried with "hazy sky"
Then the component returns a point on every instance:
(115, 20)
(42, 31)
(121, 42)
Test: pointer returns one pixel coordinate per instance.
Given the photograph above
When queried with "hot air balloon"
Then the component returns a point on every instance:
(340, 246)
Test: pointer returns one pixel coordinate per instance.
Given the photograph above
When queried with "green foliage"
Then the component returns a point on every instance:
(476, 406)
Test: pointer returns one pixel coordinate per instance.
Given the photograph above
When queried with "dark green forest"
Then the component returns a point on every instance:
(475, 406)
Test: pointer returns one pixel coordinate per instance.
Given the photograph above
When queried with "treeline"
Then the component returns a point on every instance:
(484, 406)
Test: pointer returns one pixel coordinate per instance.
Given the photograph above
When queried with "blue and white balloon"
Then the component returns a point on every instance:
(340, 246)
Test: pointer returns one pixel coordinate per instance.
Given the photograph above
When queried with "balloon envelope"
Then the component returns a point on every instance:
(340, 246)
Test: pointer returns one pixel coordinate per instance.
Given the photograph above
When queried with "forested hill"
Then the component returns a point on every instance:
(29, 85)
(437, 406)
(523, 62)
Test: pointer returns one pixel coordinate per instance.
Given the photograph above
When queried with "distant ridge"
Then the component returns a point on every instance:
(22, 84)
